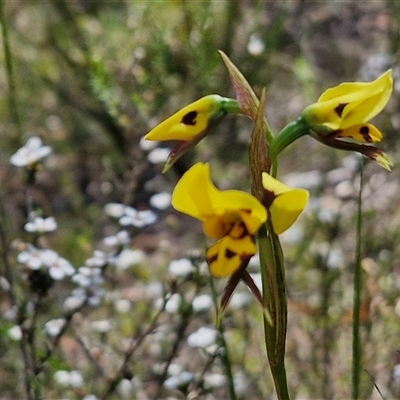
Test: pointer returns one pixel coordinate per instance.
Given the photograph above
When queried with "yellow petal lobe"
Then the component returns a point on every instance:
(191, 195)
(363, 133)
(221, 211)
(286, 208)
(228, 255)
(273, 185)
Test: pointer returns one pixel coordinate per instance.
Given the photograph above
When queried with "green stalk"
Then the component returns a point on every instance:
(274, 294)
(225, 357)
(230, 106)
(286, 136)
(12, 100)
(357, 297)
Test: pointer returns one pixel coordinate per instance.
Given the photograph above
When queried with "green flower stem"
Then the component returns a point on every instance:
(357, 297)
(286, 136)
(225, 357)
(230, 106)
(9, 71)
(274, 294)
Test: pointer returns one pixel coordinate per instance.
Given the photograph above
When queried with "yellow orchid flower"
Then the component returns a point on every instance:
(190, 124)
(283, 203)
(344, 111)
(230, 215)
(340, 119)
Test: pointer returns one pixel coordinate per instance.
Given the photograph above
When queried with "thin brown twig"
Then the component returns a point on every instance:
(131, 350)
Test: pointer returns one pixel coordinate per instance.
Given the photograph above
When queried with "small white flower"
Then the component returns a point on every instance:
(15, 333)
(87, 276)
(54, 326)
(125, 388)
(138, 219)
(58, 267)
(202, 303)
(154, 290)
(173, 304)
(102, 326)
(214, 380)
(99, 259)
(203, 337)
(129, 216)
(68, 378)
(32, 152)
(123, 305)
(396, 372)
(335, 258)
(128, 258)
(176, 381)
(41, 225)
(31, 257)
(119, 239)
(158, 155)
(255, 46)
(114, 210)
(62, 377)
(171, 383)
(161, 201)
(73, 302)
(181, 268)
(79, 296)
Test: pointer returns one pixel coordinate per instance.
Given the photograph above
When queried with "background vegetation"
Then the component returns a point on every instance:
(91, 78)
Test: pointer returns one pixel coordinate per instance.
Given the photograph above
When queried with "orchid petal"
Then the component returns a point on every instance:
(286, 208)
(189, 122)
(349, 104)
(228, 255)
(284, 204)
(197, 196)
(362, 133)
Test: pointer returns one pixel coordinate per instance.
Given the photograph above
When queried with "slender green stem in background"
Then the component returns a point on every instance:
(9, 71)
(357, 296)
(226, 360)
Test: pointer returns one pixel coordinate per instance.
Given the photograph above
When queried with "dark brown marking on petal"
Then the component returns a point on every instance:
(229, 254)
(189, 118)
(364, 132)
(212, 259)
(339, 109)
(240, 230)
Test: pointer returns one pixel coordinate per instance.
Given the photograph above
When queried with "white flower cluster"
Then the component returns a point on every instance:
(89, 279)
(68, 378)
(129, 216)
(46, 259)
